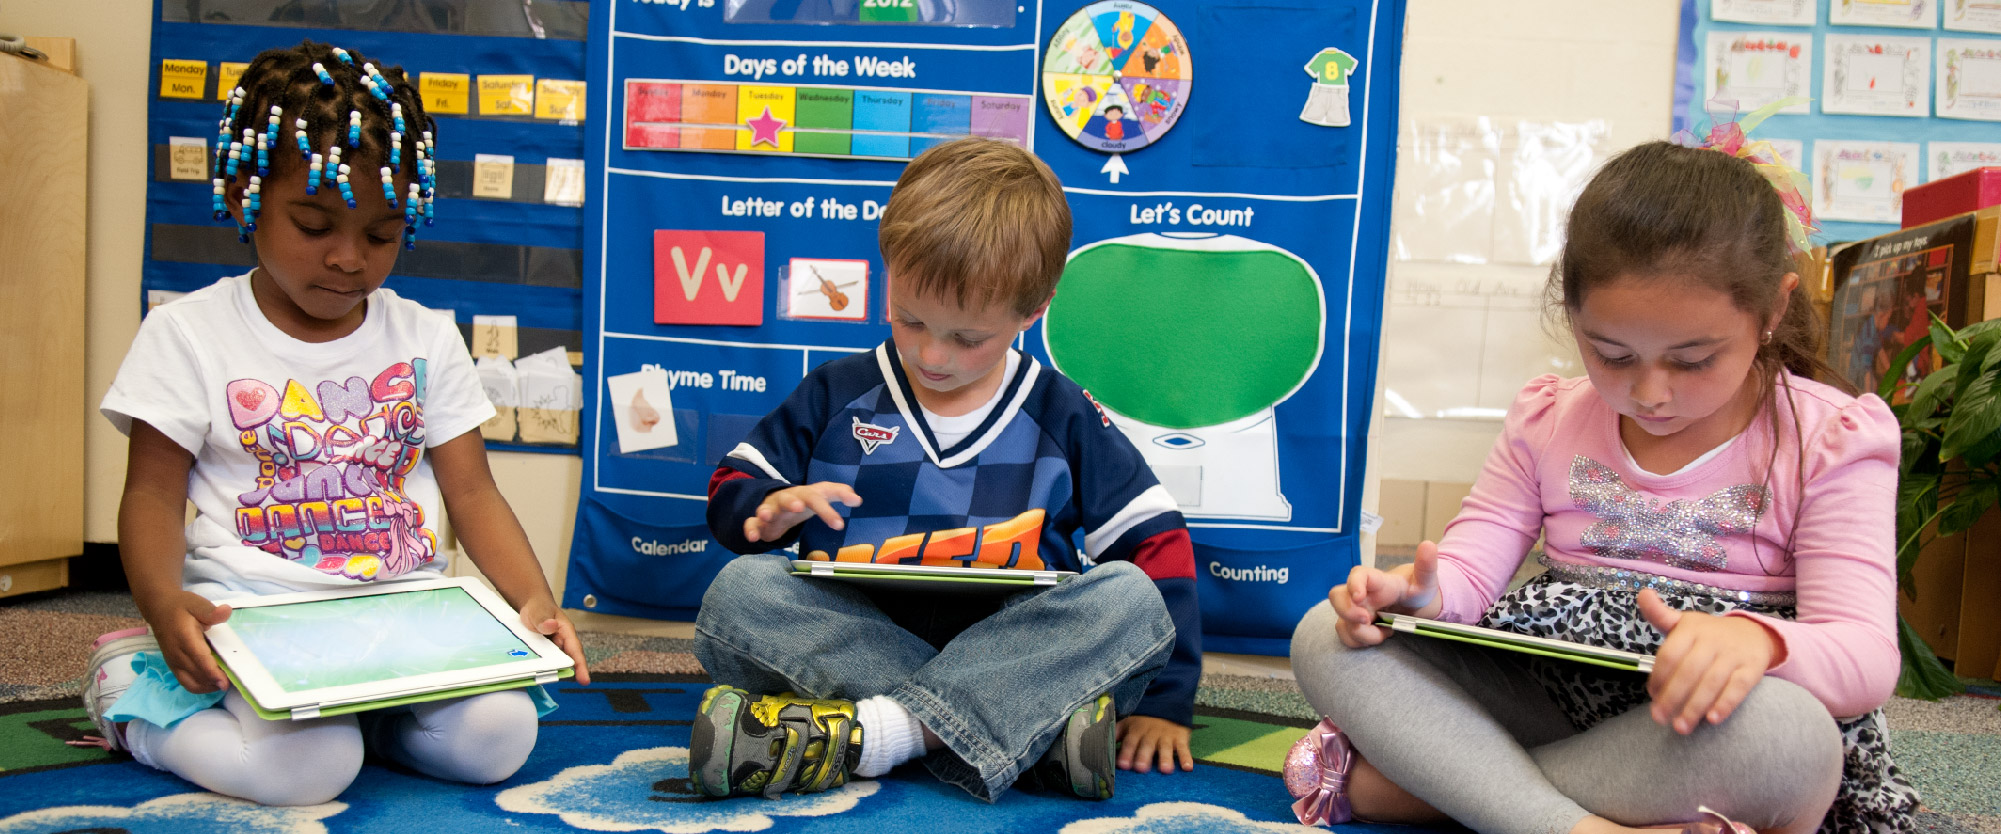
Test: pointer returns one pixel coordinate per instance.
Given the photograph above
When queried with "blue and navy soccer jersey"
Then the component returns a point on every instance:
(1045, 445)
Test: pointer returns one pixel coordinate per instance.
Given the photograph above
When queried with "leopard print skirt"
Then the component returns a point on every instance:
(1875, 798)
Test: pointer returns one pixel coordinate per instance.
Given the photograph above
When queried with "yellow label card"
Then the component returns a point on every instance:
(183, 79)
(556, 99)
(445, 93)
(507, 95)
(226, 75)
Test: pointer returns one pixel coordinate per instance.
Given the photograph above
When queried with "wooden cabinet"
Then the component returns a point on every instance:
(44, 129)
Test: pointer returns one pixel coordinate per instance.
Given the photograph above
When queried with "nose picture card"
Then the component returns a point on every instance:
(642, 406)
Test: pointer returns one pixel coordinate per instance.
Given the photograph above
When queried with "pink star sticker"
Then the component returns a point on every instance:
(764, 129)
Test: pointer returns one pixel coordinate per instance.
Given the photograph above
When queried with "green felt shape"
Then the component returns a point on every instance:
(1234, 741)
(28, 740)
(1186, 338)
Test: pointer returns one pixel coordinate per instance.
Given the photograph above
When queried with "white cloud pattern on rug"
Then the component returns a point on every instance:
(647, 790)
(188, 813)
(1183, 818)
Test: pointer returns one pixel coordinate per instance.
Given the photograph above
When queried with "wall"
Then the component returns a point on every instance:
(1536, 60)
(1551, 60)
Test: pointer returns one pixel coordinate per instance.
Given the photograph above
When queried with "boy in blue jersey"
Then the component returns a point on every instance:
(943, 430)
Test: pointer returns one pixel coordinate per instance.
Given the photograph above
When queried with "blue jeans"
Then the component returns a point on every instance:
(992, 676)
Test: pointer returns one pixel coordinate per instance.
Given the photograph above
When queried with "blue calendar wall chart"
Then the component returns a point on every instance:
(1229, 171)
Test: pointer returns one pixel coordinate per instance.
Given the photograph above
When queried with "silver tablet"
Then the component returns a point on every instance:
(304, 653)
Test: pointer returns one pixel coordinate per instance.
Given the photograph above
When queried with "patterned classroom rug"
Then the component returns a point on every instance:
(614, 758)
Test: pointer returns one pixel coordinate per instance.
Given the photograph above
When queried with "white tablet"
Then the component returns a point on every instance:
(318, 653)
(941, 577)
(1526, 644)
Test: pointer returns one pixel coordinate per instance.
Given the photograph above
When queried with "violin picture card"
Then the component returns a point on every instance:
(1871, 75)
(825, 289)
(642, 405)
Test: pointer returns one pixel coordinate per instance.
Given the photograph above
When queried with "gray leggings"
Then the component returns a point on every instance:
(1471, 732)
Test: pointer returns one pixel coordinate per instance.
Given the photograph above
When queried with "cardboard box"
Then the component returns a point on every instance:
(1936, 200)
(1952, 601)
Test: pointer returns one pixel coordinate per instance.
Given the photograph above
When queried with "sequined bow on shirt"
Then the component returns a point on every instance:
(1680, 533)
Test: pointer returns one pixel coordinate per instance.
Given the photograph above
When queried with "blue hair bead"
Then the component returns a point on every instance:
(354, 129)
(235, 158)
(346, 189)
(321, 70)
(313, 169)
(388, 187)
(343, 56)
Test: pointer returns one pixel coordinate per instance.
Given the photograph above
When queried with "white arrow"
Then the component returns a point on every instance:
(1116, 166)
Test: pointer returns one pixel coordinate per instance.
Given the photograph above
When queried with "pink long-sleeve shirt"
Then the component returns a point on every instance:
(1818, 520)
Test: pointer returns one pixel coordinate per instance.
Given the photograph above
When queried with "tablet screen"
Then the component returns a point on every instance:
(365, 639)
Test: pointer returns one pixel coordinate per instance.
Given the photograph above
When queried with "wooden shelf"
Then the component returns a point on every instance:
(43, 155)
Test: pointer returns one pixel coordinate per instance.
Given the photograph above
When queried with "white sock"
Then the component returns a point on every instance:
(890, 735)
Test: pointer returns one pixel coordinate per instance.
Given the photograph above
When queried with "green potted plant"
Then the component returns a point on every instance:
(1950, 473)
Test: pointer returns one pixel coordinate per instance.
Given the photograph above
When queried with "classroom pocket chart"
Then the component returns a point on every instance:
(1224, 316)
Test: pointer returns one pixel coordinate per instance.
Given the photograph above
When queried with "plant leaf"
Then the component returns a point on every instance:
(1922, 676)
(1973, 501)
(1928, 394)
(1978, 349)
(1976, 415)
(1985, 451)
(1902, 360)
(1947, 342)
(1978, 327)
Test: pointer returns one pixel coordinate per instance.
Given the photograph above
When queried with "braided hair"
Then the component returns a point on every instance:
(334, 109)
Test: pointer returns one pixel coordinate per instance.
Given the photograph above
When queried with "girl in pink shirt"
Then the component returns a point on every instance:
(1699, 498)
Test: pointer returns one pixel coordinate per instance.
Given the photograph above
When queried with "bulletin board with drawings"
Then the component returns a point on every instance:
(1898, 92)
(1228, 167)
(505, 259)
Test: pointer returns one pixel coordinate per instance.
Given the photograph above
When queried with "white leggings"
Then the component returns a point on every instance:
(229, 750)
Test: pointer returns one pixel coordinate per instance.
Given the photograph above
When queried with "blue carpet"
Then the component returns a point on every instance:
(614, 758)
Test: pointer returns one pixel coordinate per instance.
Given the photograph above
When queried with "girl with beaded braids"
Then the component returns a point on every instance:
(319, 423)
(1699, 497)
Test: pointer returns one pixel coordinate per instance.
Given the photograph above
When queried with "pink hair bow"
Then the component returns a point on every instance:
(1316, 774)
(1731, 135)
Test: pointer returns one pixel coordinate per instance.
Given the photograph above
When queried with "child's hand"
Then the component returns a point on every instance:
(785, 508)
(1706, 666)
(547, 620)
(178, 622)
(1406, 589)
(1143, 738)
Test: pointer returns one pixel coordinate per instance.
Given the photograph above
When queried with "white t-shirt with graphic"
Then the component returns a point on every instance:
(309, 457)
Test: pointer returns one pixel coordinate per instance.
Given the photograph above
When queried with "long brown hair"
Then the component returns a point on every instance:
(1662, 211)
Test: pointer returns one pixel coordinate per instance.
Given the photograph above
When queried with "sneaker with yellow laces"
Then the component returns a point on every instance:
(746, 745)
